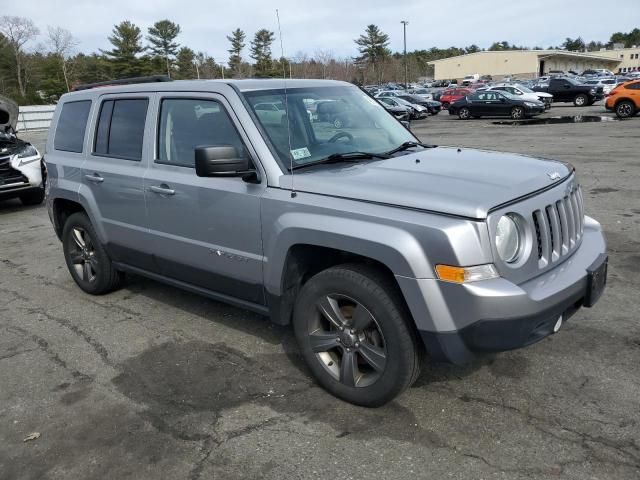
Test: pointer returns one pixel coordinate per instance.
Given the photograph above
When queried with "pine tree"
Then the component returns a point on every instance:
(235, 52)
(261, 51)
(126, 40)
(162, 39)
(373, 48)
(185, 63)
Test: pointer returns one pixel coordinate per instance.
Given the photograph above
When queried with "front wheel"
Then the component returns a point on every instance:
(625, 109)
(464, 113)
(354, 333)
(517, 113)
(581, 100)
(86, 258)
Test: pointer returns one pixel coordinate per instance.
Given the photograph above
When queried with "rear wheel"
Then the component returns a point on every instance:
(581, 100)
(35, 197)
(517, 113)
(86, 258)
(352, 327)
(625, 109)
(464, 113)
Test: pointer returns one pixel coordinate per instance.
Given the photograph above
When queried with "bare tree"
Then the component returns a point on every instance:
(324, 57)
(18, 31)
(62, 44)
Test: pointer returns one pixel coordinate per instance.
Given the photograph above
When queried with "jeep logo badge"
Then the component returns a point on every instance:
(554, 175)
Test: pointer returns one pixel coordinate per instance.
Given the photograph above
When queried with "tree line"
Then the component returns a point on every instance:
(32, 73)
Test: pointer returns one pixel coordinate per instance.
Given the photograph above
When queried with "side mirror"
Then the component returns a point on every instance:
(220, 161)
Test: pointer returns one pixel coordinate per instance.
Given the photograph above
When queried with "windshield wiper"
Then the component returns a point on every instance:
(343, 157)
(408, 145)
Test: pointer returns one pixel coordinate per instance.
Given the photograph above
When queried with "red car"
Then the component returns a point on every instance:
(451, 95)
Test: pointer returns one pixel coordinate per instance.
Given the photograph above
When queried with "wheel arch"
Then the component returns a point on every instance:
(302, 261)
(63, 208)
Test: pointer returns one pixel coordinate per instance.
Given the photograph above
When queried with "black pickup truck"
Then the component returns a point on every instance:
(568, 90)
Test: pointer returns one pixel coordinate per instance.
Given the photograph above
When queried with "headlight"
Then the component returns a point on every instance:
(592, 91)
(508, 239)
(531, 104)
(28, 154)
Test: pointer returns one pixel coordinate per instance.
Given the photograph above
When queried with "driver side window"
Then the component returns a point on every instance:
(187, 123)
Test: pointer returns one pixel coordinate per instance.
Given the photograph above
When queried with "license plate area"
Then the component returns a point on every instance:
(596, 280)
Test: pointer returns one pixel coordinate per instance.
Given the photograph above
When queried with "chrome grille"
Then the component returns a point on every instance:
(559, 227)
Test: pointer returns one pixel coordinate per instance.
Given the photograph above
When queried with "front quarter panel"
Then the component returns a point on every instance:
(408, 242)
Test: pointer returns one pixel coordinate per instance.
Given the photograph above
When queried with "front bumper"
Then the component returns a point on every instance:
(460, 320)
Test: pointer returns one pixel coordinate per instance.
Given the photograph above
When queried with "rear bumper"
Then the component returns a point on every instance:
(459, 321)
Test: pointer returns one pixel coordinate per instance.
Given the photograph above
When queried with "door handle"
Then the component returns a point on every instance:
(95, 178)
(162, 189)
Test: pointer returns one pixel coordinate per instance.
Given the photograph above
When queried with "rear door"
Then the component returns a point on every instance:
(113, 174)
(206, 231)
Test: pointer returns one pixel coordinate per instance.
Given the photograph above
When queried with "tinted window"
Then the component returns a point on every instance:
(120, 128)
(633, 86)
(188, 123)
(71, 126)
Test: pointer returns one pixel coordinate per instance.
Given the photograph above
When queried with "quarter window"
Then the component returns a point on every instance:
(188, 123)
(120, 129)
(71, 126)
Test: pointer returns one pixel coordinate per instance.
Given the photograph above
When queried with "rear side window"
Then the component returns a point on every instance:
(71, 126)
(633, 86)
(120, 129)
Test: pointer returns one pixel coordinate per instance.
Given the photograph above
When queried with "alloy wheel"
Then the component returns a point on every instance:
(517, 113)
(83, 255)
(347, 341)
(624, 110)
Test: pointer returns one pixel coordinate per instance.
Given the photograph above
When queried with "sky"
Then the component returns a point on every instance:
(332, 25)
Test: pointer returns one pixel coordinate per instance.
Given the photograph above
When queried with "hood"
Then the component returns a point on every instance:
(8, 114)
(461, 182)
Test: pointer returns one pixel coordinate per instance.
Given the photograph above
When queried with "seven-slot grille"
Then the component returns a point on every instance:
(559, 227)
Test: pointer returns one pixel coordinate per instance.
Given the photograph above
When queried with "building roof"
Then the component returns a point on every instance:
(539, 53)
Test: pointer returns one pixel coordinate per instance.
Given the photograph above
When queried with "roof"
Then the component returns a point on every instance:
(540, 53)
(244, 85)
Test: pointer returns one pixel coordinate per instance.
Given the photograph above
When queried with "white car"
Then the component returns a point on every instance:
(524, 93)
(21, 166)
(607, 84)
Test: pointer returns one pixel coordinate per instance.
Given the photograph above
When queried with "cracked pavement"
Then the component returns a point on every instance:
(150, 382)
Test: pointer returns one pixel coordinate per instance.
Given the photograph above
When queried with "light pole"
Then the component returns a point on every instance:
(404, 27)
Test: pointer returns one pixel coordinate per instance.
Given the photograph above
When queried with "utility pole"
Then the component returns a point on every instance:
(404, 27)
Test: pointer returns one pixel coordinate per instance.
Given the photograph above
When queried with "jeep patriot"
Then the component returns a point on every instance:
(377, 248)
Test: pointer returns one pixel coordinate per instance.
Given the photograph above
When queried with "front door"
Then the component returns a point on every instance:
(206, 231)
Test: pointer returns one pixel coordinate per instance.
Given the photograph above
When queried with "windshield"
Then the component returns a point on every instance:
(525, 89)
(323, 121)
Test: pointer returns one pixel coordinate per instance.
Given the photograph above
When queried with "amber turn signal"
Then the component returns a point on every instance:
(454, 274)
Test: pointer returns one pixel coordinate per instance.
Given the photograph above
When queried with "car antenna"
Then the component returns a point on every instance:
(286, 103)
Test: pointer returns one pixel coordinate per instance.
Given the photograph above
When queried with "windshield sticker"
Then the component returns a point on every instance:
(300, 153)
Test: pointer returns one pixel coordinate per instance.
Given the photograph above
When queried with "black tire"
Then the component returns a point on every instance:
(101, 276)
(383, 305)
(464, 113)
(581, 100)
(517, 113)
(625, 109)
(34, 197)
(445, 106)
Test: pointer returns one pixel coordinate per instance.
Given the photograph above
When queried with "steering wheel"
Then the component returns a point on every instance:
(339, 135)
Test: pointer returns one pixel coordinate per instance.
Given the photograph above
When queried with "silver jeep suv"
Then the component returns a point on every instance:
(376, 247)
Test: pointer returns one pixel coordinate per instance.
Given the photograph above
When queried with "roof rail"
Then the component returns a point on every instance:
(124, 81)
